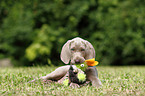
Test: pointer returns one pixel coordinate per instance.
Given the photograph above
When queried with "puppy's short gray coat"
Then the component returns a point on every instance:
(75, 51)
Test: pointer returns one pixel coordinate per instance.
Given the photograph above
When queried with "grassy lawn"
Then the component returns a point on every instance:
(116, 81)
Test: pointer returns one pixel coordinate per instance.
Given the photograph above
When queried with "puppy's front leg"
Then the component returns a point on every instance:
(92, 75)
(57, 74)
(63, 78)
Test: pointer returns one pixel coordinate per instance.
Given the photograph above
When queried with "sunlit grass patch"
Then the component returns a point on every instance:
(115, 80)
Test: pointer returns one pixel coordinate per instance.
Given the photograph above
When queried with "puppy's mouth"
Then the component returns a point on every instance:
(77, 61)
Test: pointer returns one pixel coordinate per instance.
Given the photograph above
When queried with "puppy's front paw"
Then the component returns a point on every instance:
(74, 85)
(86, 83)
(97, 83)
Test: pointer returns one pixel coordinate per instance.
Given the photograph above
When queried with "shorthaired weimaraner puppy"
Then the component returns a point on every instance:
(75, 51)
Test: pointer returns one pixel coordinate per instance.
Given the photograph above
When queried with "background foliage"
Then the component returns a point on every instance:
(33, 31)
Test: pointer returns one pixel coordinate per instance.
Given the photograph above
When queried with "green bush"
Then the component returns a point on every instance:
(34, 32)
(16, 31)
(121, 35)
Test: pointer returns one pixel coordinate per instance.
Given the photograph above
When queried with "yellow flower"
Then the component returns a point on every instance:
(91, 62)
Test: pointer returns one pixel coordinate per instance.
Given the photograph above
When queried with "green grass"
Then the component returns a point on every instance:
(116, 81)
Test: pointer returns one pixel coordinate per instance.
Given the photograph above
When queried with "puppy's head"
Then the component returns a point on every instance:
(76, 51)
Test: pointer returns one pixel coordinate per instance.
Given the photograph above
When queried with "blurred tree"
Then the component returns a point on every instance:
(121, 32)
(34, 31)
(16, 30)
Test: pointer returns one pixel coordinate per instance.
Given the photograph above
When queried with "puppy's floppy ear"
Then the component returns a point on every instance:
(65, 52)
(90, 51)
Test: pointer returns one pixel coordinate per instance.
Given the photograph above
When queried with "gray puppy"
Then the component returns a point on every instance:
(75, 51)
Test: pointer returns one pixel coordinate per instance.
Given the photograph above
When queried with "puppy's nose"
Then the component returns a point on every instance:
(77, 61)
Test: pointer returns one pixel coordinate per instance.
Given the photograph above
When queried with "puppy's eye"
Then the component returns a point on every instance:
(82, 49)
(72, 49)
